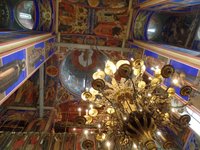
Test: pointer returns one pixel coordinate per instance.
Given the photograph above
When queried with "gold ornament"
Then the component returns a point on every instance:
(167, 71)
(125, 71)
(186, 91)
(101, 136)
(98, 84)
(110, 110)
(98, 75)
(138, 63)
(93, 112)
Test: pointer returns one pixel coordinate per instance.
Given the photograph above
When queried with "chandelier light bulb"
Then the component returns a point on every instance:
(91, 106)
(110, 68)
(175, 81)
(98, 75)
(74, 129)
(108, 143)
(173, 110)
(143, 68)
(157, 71)
(152, 68)
(86, 112)
(93, 91)
(122, 62)
(141, 85)
(87, 96)
(125, 118)
(134, 145)
(86, 132)
(158, 133)
(99, 125)
(79, 111)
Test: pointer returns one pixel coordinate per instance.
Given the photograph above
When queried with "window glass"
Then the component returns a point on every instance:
(25, 13)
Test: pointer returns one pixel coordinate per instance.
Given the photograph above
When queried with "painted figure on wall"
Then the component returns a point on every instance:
(176, 31)
(110, 23)
(73, 18)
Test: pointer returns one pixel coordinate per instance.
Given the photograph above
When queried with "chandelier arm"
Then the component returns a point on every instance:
(133, 84)
(142, 129)
(129, 106)
(119, 118)
(107, 99)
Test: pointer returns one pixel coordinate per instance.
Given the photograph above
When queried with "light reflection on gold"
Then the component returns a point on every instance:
(93, 112)
(110, 110)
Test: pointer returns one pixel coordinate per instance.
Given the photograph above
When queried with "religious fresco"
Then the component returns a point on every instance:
(13, 71)
(173, 29)
(29, 98)
(46, 15)
(91, 40)
(73, 18)
(18, 66)
(105, 25)
(36, 56)
(4, 14)
(51, 81)
(137, 51)
(140, 24)
(50, 47)
(176, 30)
(193, 142)
(99, 3)
(24, 97)
(84, 61)
(110, 23)
(184, 73)
(154, 60)
(21, 120)
(36, 140)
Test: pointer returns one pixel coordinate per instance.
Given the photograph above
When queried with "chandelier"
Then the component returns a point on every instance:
(127, 104)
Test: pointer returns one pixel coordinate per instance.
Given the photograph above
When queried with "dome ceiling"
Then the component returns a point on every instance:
(77, 68)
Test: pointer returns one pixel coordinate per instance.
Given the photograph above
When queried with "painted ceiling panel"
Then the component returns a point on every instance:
(104, 25)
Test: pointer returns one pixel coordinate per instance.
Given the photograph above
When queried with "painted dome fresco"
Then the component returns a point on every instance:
(77, 68)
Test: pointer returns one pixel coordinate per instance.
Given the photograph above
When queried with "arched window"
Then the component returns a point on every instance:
(25, 14)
